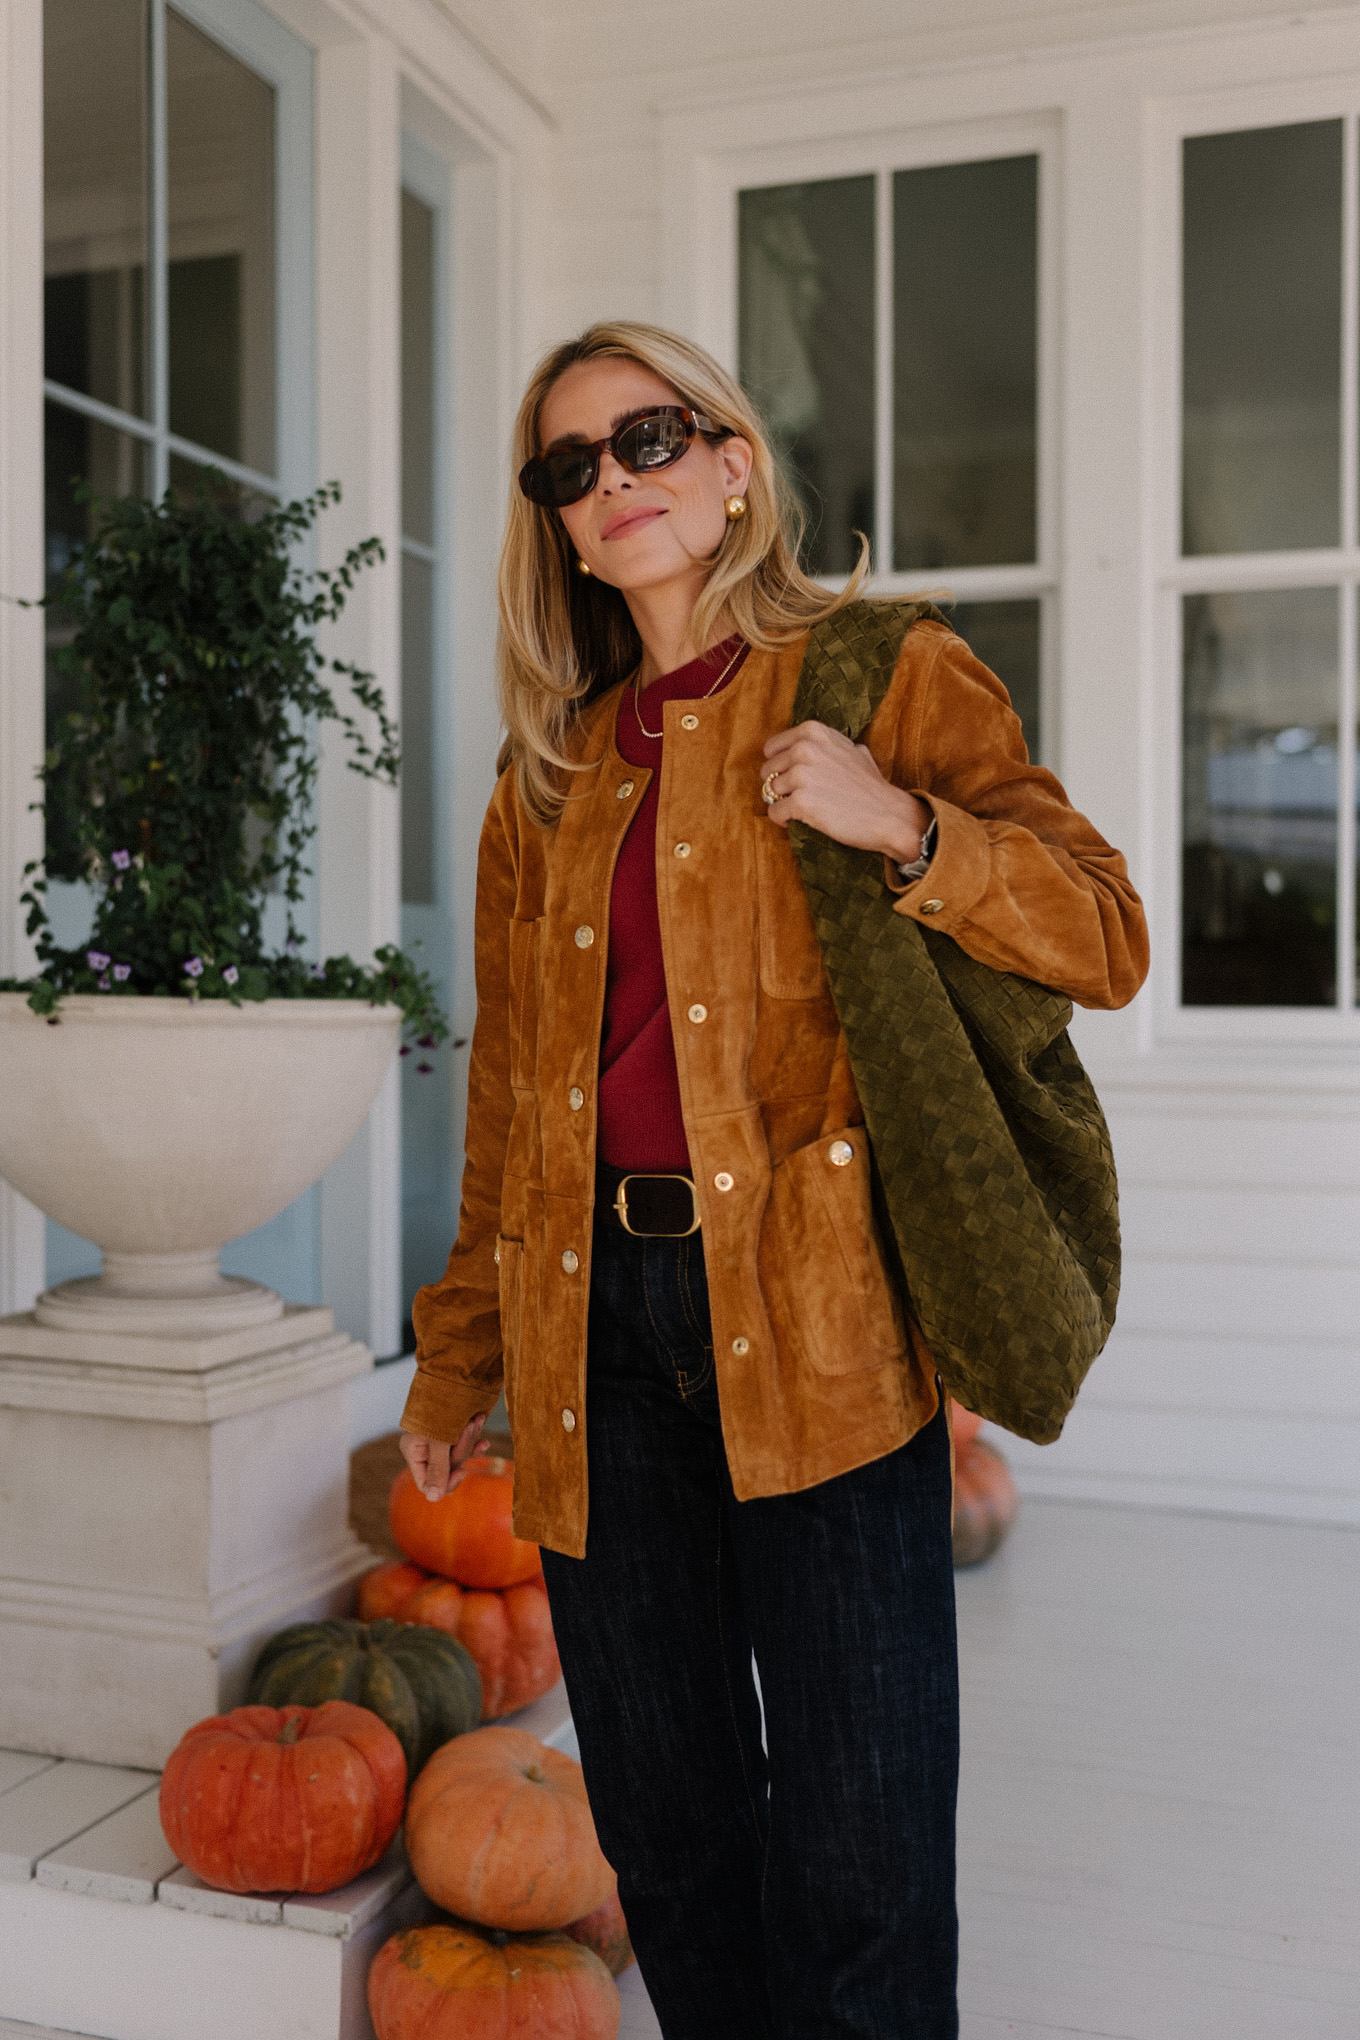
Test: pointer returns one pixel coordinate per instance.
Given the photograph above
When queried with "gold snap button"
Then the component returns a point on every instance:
(682, 849)
(576, 1097)
(740, 1345)
(698, 1014)
(625, 787)
(568, 1420)
(932, 906)
(570, 1262)
(689, 722)
(840, 1152)
(584, 936)
(722, 1181)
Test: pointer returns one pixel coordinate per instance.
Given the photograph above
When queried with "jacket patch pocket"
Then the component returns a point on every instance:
(524, 1002)
(510, 1256)
(832, 1287)
(790, 954)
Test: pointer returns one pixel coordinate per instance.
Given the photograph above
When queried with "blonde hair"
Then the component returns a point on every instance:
(564, 638)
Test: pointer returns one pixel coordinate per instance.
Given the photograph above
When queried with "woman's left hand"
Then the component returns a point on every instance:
(820, 777)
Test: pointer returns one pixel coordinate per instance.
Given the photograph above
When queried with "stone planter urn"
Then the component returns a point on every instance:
(174, 1440)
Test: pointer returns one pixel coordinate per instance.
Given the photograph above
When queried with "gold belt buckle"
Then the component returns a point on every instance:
(656, 1175)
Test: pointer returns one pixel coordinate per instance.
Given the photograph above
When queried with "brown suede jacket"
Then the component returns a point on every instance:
(817, 1371)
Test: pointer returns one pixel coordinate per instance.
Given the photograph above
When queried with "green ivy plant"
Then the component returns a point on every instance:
(180, 784)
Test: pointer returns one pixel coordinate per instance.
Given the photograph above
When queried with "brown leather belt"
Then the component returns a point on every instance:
(651, 1207)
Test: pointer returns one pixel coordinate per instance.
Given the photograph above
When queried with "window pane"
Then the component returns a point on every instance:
(417, 731)
(965, 311)
(95, 197)
(1260, 798)
(221, 283)
(417, 369)
(806, 350)
(1005, 636)
(115, 464)
(1262, 342)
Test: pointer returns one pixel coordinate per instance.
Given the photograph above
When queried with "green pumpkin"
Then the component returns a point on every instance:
(422, 1683)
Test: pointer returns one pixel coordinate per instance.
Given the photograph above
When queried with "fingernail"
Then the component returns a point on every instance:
(432, 1494)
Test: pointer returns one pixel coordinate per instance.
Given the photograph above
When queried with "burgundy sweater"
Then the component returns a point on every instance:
(640, 1123)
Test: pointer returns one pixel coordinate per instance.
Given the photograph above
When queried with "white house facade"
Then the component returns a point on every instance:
(1060, 304)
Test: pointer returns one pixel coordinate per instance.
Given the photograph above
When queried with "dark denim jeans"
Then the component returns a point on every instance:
(810, 1893)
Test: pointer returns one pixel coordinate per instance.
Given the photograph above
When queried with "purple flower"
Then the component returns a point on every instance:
(104, 982)
(405, 1048)
(424, 1069)
(121, 860)
(96, 959)
(230, 974)
(318, 970)
(122, 972)
(194, 967)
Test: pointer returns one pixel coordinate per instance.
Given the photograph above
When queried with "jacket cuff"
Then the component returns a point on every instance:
(959, 871)
(440, 1408)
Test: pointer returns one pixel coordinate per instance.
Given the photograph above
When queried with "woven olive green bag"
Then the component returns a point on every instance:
(993, 1174)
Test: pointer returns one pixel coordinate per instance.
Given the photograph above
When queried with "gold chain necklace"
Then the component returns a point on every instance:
(637, 691)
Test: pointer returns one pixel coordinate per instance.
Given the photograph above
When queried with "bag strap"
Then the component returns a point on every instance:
(849, 662)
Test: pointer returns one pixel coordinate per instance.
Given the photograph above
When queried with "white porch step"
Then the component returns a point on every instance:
(125, 1856)
(56, 1803)
(16, 1765)
(19, 2029)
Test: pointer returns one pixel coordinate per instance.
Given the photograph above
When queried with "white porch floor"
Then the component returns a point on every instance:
(1160, 1811)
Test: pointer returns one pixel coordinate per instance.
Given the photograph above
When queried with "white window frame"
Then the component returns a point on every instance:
(880, 154)
(1174, 576)
(428, 177)
(257, 39)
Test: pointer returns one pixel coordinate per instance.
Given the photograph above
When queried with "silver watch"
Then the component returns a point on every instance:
(920, 864)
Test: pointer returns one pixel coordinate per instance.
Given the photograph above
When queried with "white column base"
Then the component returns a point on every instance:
(167, 1503)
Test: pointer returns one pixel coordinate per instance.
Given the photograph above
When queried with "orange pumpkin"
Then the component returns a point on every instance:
(384, 1592)
(283, 1798)
(455, 1983)
(509, 1634)
(986, 1501)
(966, 1424)
(498, 1830)
(606, 1931)
(509, 1637)
(466, 1535)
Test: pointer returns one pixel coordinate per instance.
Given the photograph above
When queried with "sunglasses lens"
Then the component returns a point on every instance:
(651, 442)
(560, 477)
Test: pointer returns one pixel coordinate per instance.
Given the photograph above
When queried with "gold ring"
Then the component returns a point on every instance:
(767, 792)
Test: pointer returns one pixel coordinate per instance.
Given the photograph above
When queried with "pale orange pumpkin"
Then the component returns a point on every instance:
(283, 1798)
(457, 1983)
(606, 1931)
(467, 1535)
(498, 1830)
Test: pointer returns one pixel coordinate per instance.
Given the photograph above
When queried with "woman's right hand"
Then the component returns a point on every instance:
(436, 1467)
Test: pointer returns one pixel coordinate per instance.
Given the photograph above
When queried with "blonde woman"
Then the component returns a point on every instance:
(729, 1439)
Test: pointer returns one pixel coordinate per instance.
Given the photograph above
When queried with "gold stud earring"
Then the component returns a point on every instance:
(581, 567)
(735, 507)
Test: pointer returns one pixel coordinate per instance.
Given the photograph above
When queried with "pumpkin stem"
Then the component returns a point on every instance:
(291, 1729)
(535, 1776)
